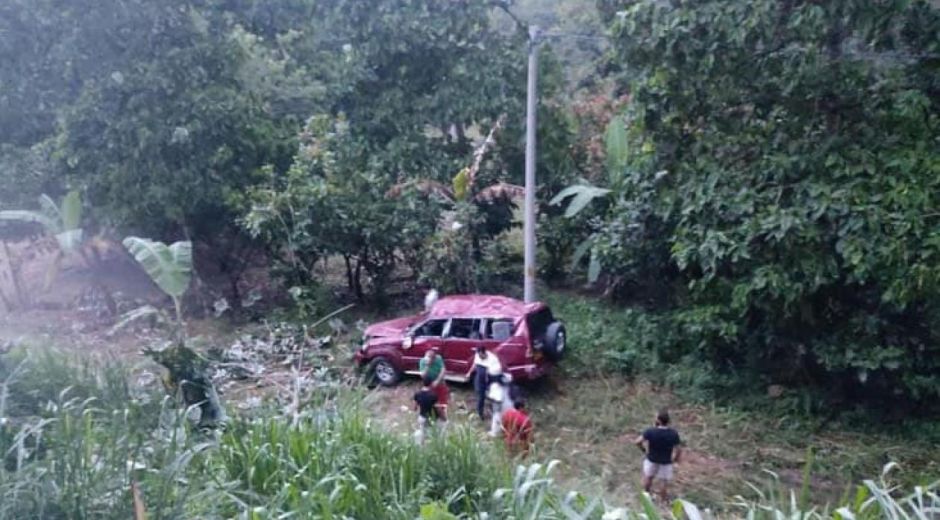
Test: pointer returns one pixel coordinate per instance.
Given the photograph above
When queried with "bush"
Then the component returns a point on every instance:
(780, 183)
(609, 338)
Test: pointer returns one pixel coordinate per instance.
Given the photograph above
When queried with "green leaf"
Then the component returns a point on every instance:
(169, 267)
(462, 184)
(436, 511)
(70, 211)
(648, 507)
(564, 194)
(861, 495)
(615, 141)
(50, 208)
(579, 252)
(594, 268)
(582, 195)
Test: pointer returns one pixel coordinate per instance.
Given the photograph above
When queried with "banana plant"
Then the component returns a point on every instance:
(171, 269)
(580, 195)
(63, 222)
(463, 185)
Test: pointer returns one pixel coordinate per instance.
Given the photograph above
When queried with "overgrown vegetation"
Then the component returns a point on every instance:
(778, 190)
(77, 437)
(751, 188)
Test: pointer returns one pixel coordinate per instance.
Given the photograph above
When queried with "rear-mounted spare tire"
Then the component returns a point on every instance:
(555, 341)
(383, 372)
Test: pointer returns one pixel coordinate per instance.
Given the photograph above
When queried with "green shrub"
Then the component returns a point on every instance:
(796, 240)
(610, 338)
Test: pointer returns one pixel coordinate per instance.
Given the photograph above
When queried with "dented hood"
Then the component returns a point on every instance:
(391, 328)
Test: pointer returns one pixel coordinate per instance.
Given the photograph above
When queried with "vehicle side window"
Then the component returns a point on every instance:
(464, 329)
(431, 329)
(498, 330)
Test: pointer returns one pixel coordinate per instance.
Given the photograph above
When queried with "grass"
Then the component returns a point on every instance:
(80, 436)
(612, 383)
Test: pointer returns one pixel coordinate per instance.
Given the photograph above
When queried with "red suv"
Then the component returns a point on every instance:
(524, 336)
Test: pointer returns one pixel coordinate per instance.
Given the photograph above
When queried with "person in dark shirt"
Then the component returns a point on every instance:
(662, 447)
(426, 405)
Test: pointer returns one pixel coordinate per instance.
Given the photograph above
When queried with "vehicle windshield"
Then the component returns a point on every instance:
(431, 328)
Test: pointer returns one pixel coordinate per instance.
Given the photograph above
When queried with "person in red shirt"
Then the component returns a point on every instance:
(517, 429)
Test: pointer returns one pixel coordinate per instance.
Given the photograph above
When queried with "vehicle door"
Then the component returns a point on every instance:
(462, 337)
(496, 332)
(423, 337)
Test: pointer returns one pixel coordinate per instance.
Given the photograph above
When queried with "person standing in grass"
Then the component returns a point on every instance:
(498, 394)
(517, 429)
(663, 449)
(431, 367)
(425, 402)
(485, 366)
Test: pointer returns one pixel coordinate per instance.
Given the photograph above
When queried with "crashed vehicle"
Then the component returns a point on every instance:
(525, 337)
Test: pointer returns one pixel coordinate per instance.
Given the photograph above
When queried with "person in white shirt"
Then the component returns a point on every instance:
(498, 395)
(485, 366)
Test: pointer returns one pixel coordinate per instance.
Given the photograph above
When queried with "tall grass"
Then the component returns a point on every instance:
(75, 438)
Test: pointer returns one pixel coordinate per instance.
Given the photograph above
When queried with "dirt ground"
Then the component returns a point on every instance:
(590, 425)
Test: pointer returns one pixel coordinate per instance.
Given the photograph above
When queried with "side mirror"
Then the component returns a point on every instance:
(408, 342)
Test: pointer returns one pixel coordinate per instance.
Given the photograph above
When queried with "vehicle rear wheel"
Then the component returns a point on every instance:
(383, 372)
(555, 341)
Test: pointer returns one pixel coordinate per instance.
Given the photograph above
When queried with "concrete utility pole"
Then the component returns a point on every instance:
(530, 127)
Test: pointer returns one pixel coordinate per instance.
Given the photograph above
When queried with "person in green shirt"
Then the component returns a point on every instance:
(431, 367)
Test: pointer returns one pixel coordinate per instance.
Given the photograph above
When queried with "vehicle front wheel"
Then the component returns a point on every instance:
(556, 339)
(383, 372)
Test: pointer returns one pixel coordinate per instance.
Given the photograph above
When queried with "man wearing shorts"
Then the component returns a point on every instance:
(661, 444)
(431, 367)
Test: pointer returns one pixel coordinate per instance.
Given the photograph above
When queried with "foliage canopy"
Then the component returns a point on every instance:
(799, 190)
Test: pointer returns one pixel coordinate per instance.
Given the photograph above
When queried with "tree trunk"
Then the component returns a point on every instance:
(236, 297)
(349, 274)
(357, 279)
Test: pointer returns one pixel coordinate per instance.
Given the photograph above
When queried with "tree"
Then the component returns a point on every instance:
(417, 80)
(177, 129)
(799, 192)
(329, 203)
